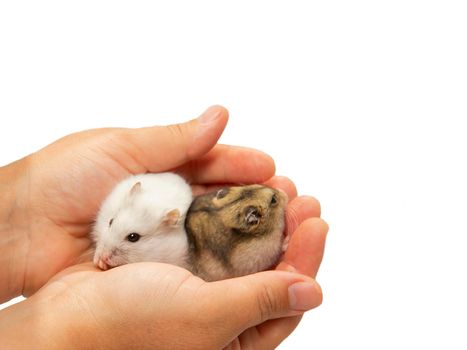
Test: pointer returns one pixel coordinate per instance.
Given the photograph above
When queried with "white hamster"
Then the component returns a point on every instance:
(142, 219)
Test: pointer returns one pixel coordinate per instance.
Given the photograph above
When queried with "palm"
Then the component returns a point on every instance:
(74, 182)
(75, 173)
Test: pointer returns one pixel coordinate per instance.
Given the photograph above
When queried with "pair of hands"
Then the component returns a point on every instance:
(54, 195)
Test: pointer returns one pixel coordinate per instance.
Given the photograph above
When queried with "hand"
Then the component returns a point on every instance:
(151, 305)
(57, 191)
(77, 172)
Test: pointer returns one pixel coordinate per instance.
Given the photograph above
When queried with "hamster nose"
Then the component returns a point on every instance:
(106, 257)
(104, 261)
(102, 264)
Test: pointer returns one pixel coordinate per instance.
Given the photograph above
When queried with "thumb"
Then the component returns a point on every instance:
(160, 148)
(250, 300)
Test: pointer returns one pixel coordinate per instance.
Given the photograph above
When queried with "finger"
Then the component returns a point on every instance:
(304, 255)
(88, 266)
(250, 300)
(270, 333)
(229, 165)
(203, 189)
(279, 182)
(306, 248)
(161, 148)
(283, 183)
(275, 331)
(299, 209)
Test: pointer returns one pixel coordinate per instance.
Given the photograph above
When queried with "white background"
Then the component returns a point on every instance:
(361, 103)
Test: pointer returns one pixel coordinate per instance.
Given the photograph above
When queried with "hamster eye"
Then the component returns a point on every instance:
(222, 193)
(252, 216)
(274, 199)
(110, 222)
(133, 237)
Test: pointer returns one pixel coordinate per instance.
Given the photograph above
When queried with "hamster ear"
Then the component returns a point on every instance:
(135, 189)
(171, 217)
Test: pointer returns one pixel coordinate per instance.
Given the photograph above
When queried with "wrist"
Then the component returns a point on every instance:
(42, 324)
(13, 229)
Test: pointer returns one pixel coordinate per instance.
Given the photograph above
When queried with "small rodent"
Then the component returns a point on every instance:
(236, 231)
(153, 217)
(142, 219)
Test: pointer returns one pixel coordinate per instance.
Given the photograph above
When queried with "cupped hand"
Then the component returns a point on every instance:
(64, 183)
(151, 305)
(55, 206)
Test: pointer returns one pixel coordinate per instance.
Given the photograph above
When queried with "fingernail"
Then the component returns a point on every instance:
(210, 115)
(304, 296)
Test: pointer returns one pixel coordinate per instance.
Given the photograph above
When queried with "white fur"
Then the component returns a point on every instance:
(143, 213)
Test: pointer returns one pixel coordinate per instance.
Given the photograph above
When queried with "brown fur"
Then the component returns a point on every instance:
(235, 231)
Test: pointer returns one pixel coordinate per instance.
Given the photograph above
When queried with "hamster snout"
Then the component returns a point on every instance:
(142, 220)
(106, 259)
(103, 261)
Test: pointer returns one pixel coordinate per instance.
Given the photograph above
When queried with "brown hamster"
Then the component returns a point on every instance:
(235, 231)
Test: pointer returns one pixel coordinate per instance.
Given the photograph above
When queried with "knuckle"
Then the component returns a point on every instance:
(176, 130)
(267, 302)
(292, 219)
(180, 136)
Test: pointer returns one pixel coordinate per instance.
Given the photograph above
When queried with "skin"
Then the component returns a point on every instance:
(48, 201)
